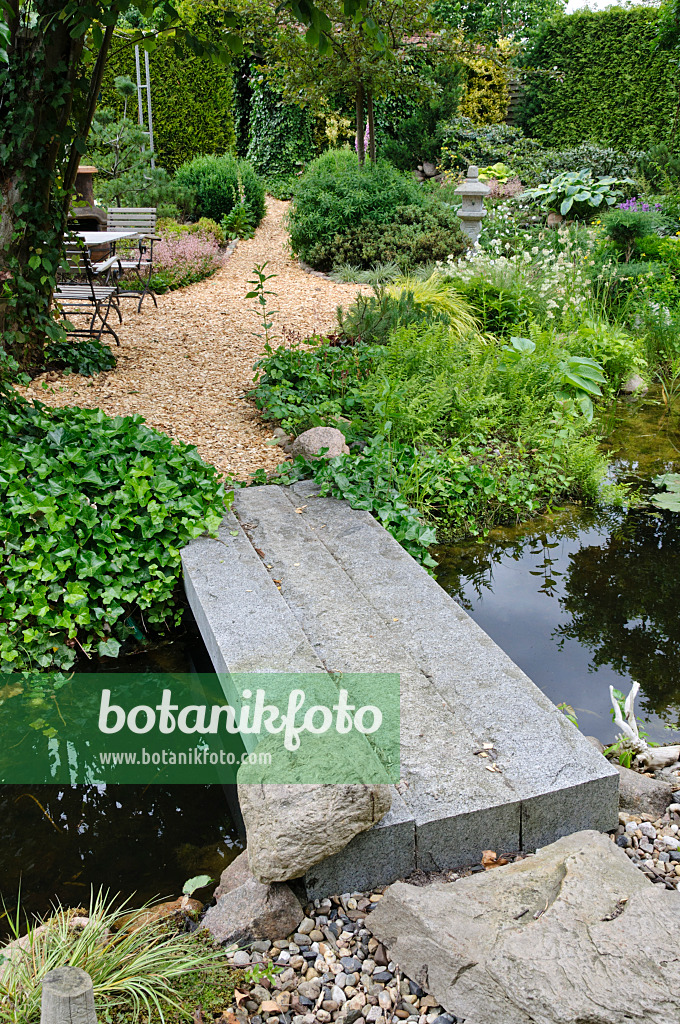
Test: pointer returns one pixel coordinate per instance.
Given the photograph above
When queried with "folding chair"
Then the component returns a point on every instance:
(81, 296)
(138, 255)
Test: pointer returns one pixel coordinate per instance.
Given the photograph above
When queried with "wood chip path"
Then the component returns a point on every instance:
(186, 366)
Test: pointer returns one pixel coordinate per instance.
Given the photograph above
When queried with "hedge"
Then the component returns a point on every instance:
(192, 100)
(593, 75)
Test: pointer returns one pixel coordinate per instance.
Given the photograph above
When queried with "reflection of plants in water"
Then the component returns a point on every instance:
(623, 597)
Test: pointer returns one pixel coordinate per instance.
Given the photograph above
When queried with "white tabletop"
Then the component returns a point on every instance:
(104, 237)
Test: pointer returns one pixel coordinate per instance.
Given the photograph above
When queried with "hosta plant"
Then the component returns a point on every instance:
(577, 193)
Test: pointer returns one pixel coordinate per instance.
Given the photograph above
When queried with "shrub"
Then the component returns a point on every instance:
(659, 166)
(344, 213)
(335, 194)
(625, 229)
(218, 183)
(372, 318)
(93, 513)
(84, 357)
(418, 235)
(193, 101)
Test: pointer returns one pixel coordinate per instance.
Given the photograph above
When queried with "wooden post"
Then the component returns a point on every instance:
(67, 997)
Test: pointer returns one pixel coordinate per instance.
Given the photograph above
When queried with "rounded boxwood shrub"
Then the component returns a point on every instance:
(217, 183)
(344, 213)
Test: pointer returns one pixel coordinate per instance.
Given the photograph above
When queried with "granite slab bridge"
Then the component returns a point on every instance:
(348, 598)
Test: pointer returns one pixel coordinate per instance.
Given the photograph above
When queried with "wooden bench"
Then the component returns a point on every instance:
(137, 257)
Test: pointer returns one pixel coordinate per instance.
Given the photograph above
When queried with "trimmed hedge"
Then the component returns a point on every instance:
(192, 101)
(608, 85)
(213, 181)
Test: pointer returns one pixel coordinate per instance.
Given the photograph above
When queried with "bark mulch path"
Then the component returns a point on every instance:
(186, 366)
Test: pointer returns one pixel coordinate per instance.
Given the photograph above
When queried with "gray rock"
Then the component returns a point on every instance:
(241, 958)
(290, 828)
(634, 385)
(593, 740)
(312, 441)
(676, 796)
(575, 933)
(429, 169)
(234, 875)
(642, 795)
(253, 911)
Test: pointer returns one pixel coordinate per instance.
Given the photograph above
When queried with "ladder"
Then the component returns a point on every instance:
(144, 87)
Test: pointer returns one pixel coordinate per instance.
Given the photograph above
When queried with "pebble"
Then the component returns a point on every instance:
(241, 958)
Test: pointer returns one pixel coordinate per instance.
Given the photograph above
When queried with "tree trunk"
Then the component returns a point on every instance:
(371, 128)
(360, 122)
(47, 106)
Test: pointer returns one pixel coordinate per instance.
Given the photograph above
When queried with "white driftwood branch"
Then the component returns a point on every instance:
(628, 727)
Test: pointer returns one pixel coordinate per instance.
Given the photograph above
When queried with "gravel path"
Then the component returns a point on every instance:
(185, 366)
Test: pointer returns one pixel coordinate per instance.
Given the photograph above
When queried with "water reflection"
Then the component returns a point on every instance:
(581, 601)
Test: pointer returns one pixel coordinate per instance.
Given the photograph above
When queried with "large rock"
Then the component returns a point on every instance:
(234, 875)
(643, 795)
(574, 935)
(253, 911)
(289, 828)
(312, 441)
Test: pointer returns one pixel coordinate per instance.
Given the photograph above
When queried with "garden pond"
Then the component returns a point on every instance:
(580, 599)
(583, 599)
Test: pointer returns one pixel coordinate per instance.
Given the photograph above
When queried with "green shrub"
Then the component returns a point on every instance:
(84, 357)
(93, 513)
(335, 194)
(660, 166)
(626, 228)
(372, 318)
(615, 349)
(417, 235)
(219, 183)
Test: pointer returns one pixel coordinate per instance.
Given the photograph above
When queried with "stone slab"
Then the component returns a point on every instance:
(540, 752)
(461, 806)
(352, 600)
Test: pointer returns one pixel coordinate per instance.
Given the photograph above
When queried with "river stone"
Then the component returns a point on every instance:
(634, 385)
(289, 828)
(574, 934)
(253, 911)
(312, 441)
(641, 794)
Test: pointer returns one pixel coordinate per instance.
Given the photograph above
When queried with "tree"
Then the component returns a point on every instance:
(52, 59)
(490, 21)
(352, 67)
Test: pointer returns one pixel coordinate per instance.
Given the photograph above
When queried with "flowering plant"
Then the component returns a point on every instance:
(183, 259)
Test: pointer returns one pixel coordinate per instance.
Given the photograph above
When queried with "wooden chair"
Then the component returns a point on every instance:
(135, 254)
(79, 294)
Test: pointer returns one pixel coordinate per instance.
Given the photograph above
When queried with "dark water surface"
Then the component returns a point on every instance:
(59, 841)
(582, 600)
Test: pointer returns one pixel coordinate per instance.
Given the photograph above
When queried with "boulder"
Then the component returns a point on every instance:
(253, 911)
(634, 385)
(289, 828)
(312, 441)
(234, 875)
(429, 169)
(641, 794)
(571, 935)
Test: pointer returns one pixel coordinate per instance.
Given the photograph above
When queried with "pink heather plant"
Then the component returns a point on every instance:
(182, 259)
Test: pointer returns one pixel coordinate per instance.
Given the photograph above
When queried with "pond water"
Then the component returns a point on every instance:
(585, 599)
(59, 841)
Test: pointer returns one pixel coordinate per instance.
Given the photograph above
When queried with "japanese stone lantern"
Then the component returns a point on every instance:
(472, 208)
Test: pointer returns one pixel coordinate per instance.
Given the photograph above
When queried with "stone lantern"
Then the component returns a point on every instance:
(472, 208)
